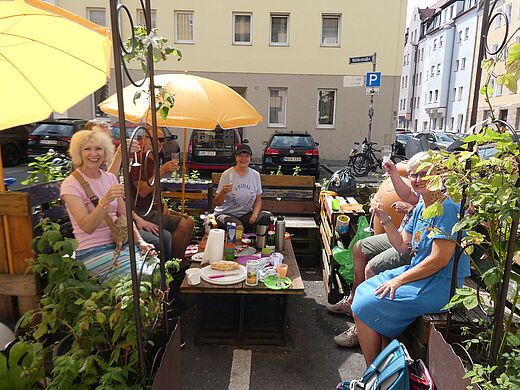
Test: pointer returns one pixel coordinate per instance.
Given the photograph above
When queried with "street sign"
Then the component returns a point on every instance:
(373, 79)
(359, 60)
(372, 91)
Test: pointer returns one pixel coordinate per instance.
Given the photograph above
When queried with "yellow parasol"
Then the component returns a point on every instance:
(200, 103)
(50, 59)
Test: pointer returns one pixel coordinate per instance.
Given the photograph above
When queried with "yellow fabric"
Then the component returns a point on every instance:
(50, 59)
(200, 103)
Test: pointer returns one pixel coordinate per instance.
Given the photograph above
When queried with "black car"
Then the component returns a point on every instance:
(213, 149)
(291, 149)
(401, 139)
(53, 134)
(14, 143)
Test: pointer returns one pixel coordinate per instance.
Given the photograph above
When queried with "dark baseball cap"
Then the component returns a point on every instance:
(243, 148)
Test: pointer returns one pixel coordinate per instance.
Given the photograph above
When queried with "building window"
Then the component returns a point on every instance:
(330, 27)
(434, 44)
(487, 114)
(97, 15)
(463, 63)
(432, 73)
(277, 105)
(184, 27)
(498, 19)
(326, 108)
(454, 94)
(500, 90)
(502, 115)
(440, 42)
(242, 29)
(436, 96)
(279, 30)
(452, 123)
(456, 66)
(509, 12)
(438, 68)
(460, 122)
(460, 93)
(466, 33)
(460, 36)
(142, 22)
(430, 96)
(97, 97)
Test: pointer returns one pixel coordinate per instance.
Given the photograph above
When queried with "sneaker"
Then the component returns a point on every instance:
(348, 338)
(341, 307)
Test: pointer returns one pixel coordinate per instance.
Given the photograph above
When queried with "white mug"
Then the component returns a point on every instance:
(193, 275)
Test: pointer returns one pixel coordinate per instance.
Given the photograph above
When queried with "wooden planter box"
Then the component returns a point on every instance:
(195, 193)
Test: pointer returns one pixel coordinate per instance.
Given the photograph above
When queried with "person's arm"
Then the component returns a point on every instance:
(115, 165)
(219, 199)
(257, 206)
(142, 186)
(401, 188)
(143, 246)
(399, 240)
(439, 257)
(90, 221)
(143, 224)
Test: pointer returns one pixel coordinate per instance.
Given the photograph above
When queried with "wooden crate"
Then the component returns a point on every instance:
(195, 193)
(304, 231)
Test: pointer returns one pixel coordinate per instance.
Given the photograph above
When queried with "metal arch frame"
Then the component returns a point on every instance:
(120, 67)
(498, 312)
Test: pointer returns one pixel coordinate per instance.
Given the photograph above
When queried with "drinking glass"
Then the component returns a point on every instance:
(374, 201)
(175, 156)
(386, 152)
(281, 270)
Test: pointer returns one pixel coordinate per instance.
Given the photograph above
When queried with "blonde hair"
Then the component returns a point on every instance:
(415, 161)
(82, 137)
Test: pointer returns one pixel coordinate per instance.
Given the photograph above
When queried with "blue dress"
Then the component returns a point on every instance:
(390, 317)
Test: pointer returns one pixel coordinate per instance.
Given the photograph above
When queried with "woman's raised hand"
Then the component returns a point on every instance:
(114, 192)
(389, 167)
(227, 187)
(379, 211)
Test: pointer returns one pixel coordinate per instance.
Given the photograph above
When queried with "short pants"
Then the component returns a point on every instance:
(381, 255)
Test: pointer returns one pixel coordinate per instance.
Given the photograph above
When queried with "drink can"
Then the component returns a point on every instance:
(252, 272)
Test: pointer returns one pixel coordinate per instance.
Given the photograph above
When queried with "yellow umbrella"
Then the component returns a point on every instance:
(50, 59)
(200, 103)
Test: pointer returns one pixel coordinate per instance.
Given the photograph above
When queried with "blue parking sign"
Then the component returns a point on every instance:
(373, 79)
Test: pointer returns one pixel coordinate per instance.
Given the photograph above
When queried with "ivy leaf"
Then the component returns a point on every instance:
(488, 64)
(509, 80)
(164, 112)
(513, 59)
(433, 210)
(435, 184)
(486, 90)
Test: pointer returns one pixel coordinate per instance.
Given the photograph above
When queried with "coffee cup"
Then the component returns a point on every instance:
(193, 275)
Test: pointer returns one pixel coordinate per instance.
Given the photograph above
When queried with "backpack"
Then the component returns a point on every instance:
(388, 371)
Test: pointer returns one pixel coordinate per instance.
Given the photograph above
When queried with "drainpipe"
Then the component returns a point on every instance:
(416, 48)
(447, 27)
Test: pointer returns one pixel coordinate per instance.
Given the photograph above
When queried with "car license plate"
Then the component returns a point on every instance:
(292, 159)
(207, 153)
(48, 142)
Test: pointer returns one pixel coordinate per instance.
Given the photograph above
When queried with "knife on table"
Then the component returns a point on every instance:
(222, 275)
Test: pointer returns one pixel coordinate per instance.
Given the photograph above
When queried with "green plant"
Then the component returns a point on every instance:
(100, 317)
(44, 170)
(278, 172)
(23, 370)
(193, 176)
(137, 50)
(296, 170)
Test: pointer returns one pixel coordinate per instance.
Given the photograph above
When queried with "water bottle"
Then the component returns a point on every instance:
(280, 234)
(270, 242)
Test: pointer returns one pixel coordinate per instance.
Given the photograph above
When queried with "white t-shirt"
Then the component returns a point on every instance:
(240, 200)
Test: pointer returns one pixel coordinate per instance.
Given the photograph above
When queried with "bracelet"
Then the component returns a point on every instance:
(105, 206)
(384, 223)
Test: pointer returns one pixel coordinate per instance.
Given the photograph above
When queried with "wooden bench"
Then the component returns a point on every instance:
(21, 211)
(297, 199)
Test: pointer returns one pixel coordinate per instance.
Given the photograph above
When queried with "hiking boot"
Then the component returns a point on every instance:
(348, 338)
(341, 307)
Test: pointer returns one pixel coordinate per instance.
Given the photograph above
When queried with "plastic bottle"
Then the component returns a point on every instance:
(229, 246)
(280, 234)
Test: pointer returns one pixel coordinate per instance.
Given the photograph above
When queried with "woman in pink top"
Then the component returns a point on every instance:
(89, 150)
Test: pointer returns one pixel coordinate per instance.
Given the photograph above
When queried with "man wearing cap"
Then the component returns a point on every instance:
(239, 192)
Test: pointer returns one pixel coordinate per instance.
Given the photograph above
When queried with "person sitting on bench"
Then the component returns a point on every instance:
(239, 193)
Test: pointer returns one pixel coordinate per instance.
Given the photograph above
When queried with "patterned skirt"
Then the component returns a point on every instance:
(99, 261)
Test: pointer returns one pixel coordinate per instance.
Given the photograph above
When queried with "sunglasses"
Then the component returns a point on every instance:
(417, 175)
(161, 139)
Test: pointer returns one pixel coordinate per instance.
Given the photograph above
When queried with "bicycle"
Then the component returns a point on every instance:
(366, 160)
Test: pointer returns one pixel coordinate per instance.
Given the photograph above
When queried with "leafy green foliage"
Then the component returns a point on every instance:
(23, 369)
(44, 171)
(296, 170)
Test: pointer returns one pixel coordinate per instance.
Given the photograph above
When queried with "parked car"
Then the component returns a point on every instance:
(53, 134)
(436, 139)
(213, 149)
(14, 144)
(290, 149)
(401, 139)
(170, 144)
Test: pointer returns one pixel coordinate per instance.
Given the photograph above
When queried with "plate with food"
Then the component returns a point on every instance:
(244, 250)
(275, 282)
(197, 257)
(351, 207)
(223, 272)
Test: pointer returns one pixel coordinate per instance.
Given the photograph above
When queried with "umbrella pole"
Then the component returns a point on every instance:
(5, 220)
(183, 188)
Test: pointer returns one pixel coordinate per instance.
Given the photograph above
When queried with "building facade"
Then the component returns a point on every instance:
(289, 60)
(436, 84)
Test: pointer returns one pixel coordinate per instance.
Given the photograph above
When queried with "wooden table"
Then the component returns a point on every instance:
(240, 314)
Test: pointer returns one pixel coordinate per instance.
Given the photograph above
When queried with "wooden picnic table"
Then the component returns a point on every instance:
(241, 314)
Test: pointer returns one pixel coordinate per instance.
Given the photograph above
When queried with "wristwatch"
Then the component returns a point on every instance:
(386, 222)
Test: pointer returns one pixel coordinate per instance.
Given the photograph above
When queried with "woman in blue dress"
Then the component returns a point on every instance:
(387, 303)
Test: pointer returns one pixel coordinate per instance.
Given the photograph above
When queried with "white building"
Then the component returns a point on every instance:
(438, 92)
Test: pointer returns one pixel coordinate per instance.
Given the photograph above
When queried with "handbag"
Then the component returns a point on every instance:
(388, 371)
(118, 228)
(342, 183)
